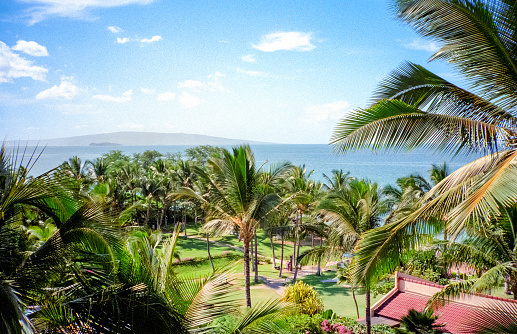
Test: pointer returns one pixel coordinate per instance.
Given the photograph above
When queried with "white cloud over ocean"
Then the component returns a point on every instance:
(290, 41)
(166, 96)
(418, 44)
(66, 90)
(152, 39)
(14, 66)
(125, 97)
(31, 48)
(77, 9)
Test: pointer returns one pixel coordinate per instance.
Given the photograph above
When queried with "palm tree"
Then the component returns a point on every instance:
(351, 211)
(419, 323)
(414, 108)
(305, 197)
(491, 254)
(237, 198)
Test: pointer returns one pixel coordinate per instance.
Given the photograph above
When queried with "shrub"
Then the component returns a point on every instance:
(303, 296)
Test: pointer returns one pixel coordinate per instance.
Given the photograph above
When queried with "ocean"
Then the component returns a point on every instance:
(383, 168)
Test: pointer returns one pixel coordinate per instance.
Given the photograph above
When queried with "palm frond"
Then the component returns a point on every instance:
(475, 36)
(393, 125)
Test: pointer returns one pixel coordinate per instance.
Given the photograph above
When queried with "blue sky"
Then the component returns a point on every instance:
(275, 71)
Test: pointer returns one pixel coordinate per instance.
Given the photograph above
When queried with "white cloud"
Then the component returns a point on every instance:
(152, 39)
(66, 90)
(13, 66)
(146, 90)
(189, 100)
(418, 44)
(326, 112)
(167, 96)
(293, 40)
(77, 9)
(122, 40)
(31, 48)
(114, 29)
(126, 96)
(253, 73)
(192, 84)
(248, 59)
(212, 84)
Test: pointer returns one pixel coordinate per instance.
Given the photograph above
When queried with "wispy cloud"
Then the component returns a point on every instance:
(122, 40)
(248, 59)
(31, 48)
(212, 84)
(146, 90)
(326, 112)
(125, 97)
(66, 90)
(255, 74)
(418, 44)
(189, 100)
(292, 41)
(166, 96)
(192, 84)
(77, 9)
(13, 66)
(152, 39)
(115, 29)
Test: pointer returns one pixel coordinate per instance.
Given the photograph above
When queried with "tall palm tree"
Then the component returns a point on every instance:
(414, 108)
(351, 211)
(306, 193)
(237, 198)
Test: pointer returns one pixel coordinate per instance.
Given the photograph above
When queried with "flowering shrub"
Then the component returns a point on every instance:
(335, 328)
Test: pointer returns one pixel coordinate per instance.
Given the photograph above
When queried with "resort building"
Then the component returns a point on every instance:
(458, 314)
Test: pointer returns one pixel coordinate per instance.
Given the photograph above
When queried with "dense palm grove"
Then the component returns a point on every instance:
(90, 245)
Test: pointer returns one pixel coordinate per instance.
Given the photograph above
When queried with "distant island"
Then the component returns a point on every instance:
(105, 144)
(138, 139)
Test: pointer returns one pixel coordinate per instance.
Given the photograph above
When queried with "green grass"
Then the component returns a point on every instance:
(192, 248)
(336, 297)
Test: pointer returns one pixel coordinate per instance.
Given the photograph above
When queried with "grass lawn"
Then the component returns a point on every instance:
(203, 268)
(336, 297)
(192, 248)
(264, 245)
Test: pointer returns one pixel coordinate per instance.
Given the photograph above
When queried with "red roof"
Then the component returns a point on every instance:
(452, 315)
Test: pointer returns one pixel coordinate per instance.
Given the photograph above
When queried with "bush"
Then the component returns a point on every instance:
(453, 274)
(303, 296)
(305, 324)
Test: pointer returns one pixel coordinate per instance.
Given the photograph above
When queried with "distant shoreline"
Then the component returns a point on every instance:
(105, 144)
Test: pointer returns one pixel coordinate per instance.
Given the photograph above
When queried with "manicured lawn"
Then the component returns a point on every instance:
(192, 248)
(336, 297)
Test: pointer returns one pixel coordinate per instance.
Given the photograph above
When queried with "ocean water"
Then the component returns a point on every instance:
(383, 168)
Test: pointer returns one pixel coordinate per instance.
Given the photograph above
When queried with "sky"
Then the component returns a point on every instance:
(270, 71)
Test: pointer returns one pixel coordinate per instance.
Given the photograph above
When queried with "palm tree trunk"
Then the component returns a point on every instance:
(355, 301)
(247, 269)
(297, 252)
(318, 272)
(208, 250)
(368, 316)
(252, 250)
(272, 247)
(184, 218)
(282, 255)
(256, 258)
